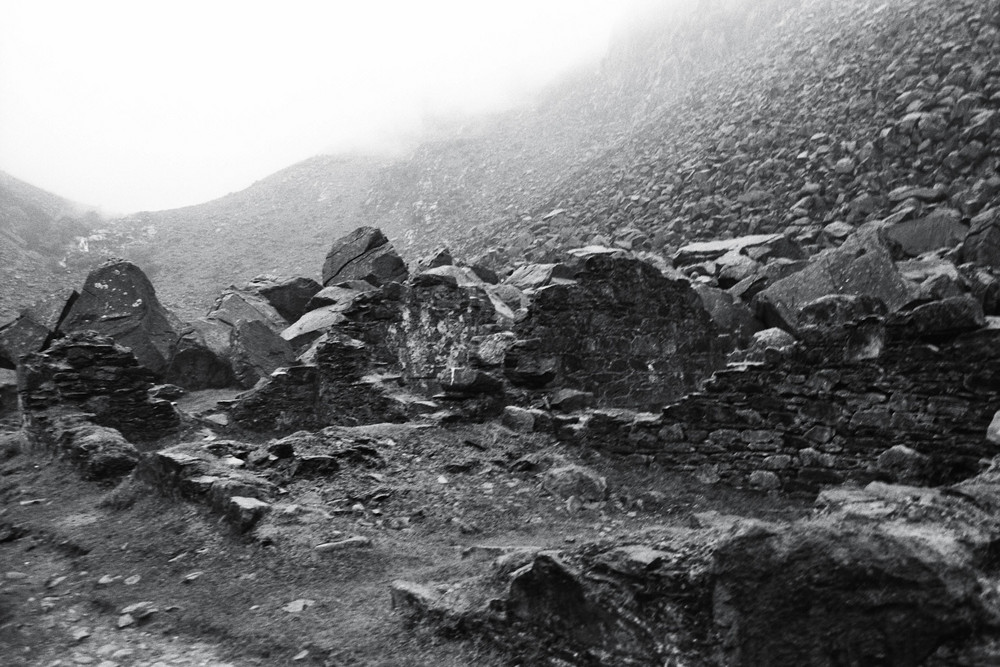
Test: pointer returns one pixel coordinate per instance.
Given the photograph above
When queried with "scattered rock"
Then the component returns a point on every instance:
(575, 480)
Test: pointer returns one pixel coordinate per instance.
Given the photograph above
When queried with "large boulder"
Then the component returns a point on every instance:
(240, 304)
(202, 357)
(117, 300)
(289, 296)
(256, 352)
(364, 254)
(942, 228)
(862, 266)
(982, 244)
(34, 328)
(731, 316)
(818, 593)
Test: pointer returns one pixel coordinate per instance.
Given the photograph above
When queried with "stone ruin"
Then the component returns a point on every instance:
(872, 375)
(882, 369)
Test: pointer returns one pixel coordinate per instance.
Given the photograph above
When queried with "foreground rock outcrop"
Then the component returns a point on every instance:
(882, 575)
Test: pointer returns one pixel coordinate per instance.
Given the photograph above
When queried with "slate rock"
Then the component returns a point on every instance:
(311, 326)
(364, 254)
(469, 381)
(942, 228)
(256, 352)
(571, 400)
(758, 247)
(288, 296)
(453, 276)
(34, 328)
(935, 278)
(237, 304)
(903, 465)
(343, 294)
(244, 512)
(117, 300)
(984, 285)
(862, 266)
(535, 276)
(811, 593)
(775, 340)
(939, 319)
(437, 257)
(993, 431)
(839, 309)
(982, 244)
(101, 453)
(575, 480)
(201, 360)
(730, 315)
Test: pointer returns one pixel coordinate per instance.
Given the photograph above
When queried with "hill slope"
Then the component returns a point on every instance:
(784, 115)
(281, 224)
(36, 227)
(781, 118)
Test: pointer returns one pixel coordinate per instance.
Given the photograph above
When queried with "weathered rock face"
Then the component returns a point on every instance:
(364, 254)
(862, 266)
(117, 300)
(89, 373)
(621, 331)
(34, 328)
(817, 592)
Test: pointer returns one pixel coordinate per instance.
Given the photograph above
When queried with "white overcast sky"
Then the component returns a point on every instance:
(145, 104)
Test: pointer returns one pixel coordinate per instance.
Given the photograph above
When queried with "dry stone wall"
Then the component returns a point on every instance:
(622, 331)
(812, 416)
(88, 373)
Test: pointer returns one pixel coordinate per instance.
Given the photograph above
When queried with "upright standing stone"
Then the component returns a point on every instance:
(118, 300)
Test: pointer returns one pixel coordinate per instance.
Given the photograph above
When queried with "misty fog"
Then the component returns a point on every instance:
(131, 106)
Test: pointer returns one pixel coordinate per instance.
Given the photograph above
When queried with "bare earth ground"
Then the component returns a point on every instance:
(74, 555)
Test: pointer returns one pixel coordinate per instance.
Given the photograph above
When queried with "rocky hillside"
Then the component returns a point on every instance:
(281, 224)
(784, 118)
(36, 227)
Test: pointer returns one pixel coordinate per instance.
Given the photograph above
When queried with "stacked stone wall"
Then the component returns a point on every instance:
(810, 418)
(88, 373)
(624, 332)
